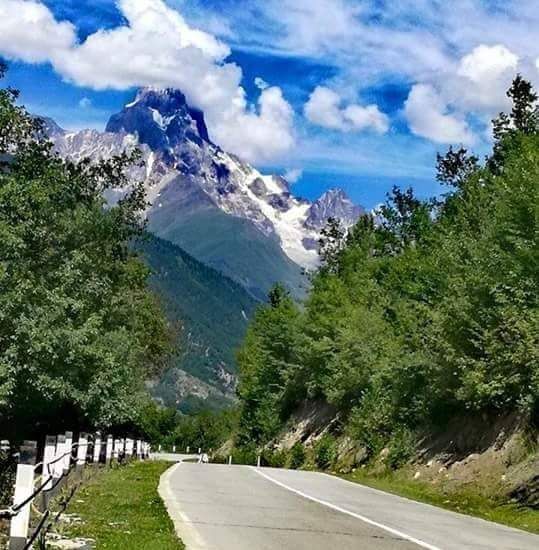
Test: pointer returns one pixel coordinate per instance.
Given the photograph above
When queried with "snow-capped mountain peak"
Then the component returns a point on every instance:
(178, 152)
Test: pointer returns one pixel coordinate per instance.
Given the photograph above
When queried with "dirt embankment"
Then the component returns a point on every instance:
(498, 457)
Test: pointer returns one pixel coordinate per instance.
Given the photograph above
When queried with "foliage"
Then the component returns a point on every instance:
(267, 362)
(427, 312)
(206, 430)
(401, 448)
(297, 456)
(325, 451)
(155, 423)
(79, 330)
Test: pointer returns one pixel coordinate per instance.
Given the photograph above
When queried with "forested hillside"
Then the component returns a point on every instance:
(425, 314)
(210, 313)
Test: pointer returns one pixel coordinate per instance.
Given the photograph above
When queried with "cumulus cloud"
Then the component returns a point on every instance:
(429, 117)
(324, 108)
(261, 134)
(29, 32)
(488, 71)
(156, 47)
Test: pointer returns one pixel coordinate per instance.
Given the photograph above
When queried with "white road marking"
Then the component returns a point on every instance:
(182, 524)
(400, 534)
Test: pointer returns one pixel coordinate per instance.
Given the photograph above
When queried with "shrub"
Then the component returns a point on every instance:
(401, 448)
(297, 456)
(325, 452)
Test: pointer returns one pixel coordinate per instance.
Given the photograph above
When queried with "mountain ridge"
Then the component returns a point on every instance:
(175, 142)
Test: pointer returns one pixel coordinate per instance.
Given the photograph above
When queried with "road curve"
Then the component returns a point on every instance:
(221, 507)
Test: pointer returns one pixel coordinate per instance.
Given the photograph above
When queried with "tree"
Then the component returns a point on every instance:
(405, 220)
(79, 330)
(331, 243)
(455, 167)
(523, 120)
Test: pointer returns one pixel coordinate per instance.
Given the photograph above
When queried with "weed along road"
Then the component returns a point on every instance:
(221, 507)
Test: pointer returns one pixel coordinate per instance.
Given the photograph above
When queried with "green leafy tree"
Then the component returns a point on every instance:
(79, 330)
(426, 313)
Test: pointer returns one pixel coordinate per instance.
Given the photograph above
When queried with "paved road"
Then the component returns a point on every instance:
(221, 507)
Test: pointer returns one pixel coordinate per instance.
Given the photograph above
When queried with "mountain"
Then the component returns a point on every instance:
(216, 207)
(222, 234)
(213, 312)
(333, 204)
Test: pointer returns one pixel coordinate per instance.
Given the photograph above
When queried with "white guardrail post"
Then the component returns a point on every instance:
(97, 448)
(82, 450)
(58, 466)
(48, 457)
(109, 449)
(68, 449)
(116, 452)
(24, 487)
(129, 448)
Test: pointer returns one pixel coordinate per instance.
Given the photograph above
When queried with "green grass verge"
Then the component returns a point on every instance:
(464, 500)
(121, 509)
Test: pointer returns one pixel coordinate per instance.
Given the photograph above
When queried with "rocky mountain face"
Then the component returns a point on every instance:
(186, 172)
(333, 204)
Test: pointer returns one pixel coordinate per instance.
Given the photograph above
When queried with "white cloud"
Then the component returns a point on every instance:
(293, 175)
(324, 108)
(468, 51)
(362, 118)
(29, 32)
(260, 135)
(85, 103)
(260, 83)
(429, 117)
(487, 71)
(156, 47)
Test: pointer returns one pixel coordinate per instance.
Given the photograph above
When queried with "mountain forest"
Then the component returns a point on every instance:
(422, 313)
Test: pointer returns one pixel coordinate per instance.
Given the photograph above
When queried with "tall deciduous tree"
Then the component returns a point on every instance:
(79, 330)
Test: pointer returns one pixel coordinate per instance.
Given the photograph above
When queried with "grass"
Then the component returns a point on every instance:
(464, 500)
(121, 509)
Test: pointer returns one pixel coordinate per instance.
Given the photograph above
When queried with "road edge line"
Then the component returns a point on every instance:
(182, 524)
(391, 530)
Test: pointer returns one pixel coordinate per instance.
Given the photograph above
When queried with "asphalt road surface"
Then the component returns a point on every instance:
(221, 507)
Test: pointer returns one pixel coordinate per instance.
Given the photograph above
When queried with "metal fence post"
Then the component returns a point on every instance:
(24, 487)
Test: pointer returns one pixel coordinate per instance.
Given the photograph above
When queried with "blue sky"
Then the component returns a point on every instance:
(359, 94)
